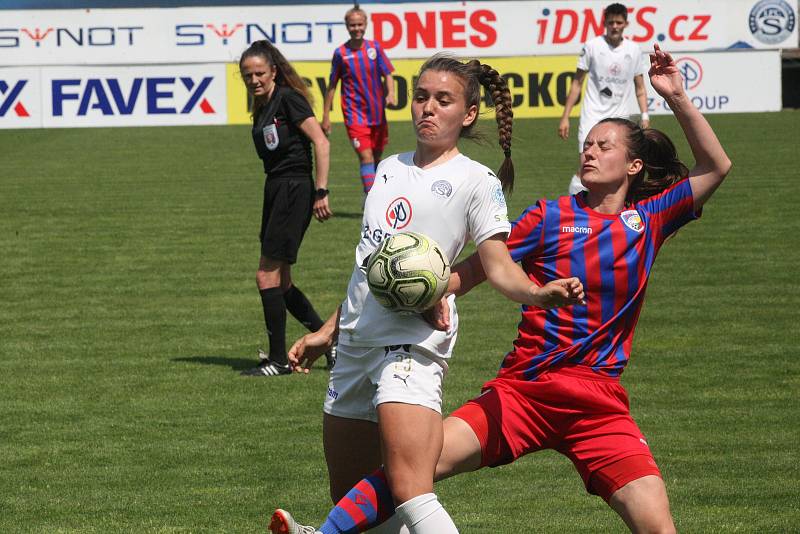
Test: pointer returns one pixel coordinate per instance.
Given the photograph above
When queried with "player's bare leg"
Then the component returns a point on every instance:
(461, 451)
(349, 460)
(644, 506)
(410, 462)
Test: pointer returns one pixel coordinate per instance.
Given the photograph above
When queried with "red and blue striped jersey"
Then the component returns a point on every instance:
(612, 255)
(361, 72)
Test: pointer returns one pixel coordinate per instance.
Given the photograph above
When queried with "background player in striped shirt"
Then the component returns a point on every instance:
(367, 86)
(558, 388)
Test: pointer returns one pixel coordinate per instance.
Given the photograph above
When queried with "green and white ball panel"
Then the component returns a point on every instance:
(404, 241)
(408, 272)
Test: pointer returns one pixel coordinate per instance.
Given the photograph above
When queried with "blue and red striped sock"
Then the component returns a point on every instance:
(365, 506)
(367, 175)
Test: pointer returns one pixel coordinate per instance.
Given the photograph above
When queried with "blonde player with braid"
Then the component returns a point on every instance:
(384, 396)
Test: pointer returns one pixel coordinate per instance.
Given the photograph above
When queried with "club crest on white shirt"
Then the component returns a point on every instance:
(442, 188)
(632, 220)
(497, 195)
(270, 133)
(398, 214)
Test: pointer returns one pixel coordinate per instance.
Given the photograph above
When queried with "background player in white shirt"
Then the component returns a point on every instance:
(612, 63)
(384, 394)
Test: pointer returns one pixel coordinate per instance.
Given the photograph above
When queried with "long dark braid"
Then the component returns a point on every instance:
(497, 87)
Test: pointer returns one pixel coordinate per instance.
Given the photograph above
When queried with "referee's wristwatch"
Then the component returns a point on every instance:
(322, 192)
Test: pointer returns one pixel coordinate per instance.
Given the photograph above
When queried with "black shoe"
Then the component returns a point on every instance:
(268, 368)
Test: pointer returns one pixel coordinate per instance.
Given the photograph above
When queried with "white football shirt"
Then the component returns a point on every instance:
(610, 91)
(451, 203)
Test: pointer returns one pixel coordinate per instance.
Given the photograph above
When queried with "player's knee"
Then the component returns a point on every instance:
(405, 485)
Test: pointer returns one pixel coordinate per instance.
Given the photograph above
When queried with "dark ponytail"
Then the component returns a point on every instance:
(661, 167)
(473, 75)
(284, 72)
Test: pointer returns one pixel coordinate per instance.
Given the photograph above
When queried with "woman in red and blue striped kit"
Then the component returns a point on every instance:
(367, 86)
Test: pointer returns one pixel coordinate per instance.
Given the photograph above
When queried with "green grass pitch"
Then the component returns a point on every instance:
(128, 307)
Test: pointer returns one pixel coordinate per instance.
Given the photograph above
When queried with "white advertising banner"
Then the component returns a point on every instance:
(20, 98)
(113, 96)
(202, 94)
(717, 82)
(481, 28)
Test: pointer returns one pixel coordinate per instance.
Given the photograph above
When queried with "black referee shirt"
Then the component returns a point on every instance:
(280, 143)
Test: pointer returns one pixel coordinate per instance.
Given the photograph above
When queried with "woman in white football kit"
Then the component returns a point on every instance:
(390, 367)
(616, 70)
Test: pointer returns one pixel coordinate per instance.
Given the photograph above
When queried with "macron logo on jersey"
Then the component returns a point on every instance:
(576, 230)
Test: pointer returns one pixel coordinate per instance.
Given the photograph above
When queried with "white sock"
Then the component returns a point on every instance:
(575, 185)
(393, 525)
(424, 515)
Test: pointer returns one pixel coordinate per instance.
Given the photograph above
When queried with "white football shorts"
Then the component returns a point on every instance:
(365, 377)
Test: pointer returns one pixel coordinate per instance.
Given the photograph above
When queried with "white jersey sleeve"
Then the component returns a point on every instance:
(487, 212)
(585, 57)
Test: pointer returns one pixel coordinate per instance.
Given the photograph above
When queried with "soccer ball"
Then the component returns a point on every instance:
(408, 272)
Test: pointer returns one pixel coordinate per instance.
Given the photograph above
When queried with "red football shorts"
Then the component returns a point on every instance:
(575, 411)
(369, 137)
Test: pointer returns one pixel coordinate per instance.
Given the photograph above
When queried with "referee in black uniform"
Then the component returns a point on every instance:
(284, 128)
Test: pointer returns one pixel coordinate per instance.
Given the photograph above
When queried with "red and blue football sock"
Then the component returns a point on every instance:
(367, 175)
(367, 505)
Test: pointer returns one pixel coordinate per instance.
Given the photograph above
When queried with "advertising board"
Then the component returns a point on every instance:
(406, 30)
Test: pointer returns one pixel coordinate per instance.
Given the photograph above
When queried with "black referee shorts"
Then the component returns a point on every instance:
(288, 204)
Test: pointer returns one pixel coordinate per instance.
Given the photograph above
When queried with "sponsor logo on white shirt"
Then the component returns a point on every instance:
(398, 214)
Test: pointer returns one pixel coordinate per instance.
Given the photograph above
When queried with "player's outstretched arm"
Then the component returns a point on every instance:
(711, 162)
(509, 279)
(572, 99)
(310, 347)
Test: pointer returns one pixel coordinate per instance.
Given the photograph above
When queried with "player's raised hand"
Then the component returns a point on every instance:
(307, 350)
(560, 293)
(664, 75)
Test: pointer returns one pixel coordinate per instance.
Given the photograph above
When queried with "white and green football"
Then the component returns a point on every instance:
(408, 272)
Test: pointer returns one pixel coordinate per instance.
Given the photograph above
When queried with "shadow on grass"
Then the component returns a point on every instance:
(347, 215)
(236, 364)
